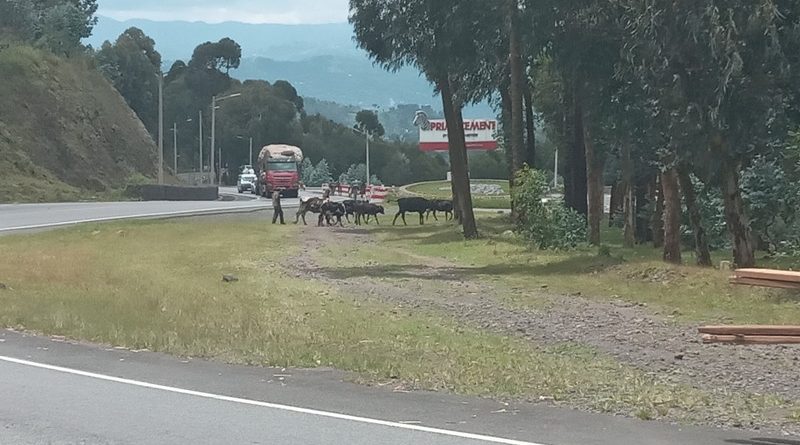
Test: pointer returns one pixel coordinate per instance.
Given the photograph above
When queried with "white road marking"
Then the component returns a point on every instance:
(294, 409)
(144, 215)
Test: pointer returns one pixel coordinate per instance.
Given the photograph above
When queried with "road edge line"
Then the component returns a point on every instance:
(294, 409)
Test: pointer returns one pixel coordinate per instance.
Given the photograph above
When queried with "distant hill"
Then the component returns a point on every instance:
(321, 61)
(346, 80)
(176, 40)
(65, 132)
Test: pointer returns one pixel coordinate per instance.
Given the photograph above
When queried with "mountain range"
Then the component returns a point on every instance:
(321, 61)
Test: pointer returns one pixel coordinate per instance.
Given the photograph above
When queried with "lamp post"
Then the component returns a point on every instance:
(250, 158)
(175, 148)
(214, 101)
(366, 135)
(200, 126)
(160, 127)
(555, 171)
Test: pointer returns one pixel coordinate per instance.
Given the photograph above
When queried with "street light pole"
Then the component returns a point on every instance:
(250, 159)
(214, 101)
(161, 128)
(175, 147)
(555, 171)
(200, 126)
(213, 137)
(368, 176)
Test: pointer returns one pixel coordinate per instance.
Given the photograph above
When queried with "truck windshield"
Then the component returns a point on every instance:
(282, 166)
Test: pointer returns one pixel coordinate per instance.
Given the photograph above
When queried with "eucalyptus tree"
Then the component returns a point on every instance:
(442, 40)
(717, 71)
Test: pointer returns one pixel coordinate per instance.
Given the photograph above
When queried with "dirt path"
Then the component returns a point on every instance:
(667, 350)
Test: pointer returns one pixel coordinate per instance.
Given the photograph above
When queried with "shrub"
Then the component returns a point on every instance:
(548, 224)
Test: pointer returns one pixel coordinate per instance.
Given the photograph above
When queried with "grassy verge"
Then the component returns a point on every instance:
(157, 286)
(441, 190)
(638, 275)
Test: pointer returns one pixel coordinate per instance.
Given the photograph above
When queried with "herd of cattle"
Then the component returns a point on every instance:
(332, 212)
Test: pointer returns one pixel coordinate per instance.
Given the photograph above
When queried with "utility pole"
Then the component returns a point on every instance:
(200, 122)
(214, 101)
(213, 137)
(368, 176)
(161, 128)
(555, 171)
(250, 159)
(175, 147)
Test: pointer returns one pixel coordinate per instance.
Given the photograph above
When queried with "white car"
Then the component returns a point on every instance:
(246, 182)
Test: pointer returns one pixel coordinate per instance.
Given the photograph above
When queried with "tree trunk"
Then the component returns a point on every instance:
(505, 97)
(643, 224)
(576, 166)
(458, 158)
(595, 189)
(672, 216)
(702, 252)
(736, 219)
(516, 91)
(530, 127)
(629, 203)
(657, 217)
(615, 187)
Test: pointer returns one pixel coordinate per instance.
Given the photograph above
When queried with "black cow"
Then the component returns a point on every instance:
(312, 205)
(365, 210)
(441, 205)
(413, 205)
(350, 207)
(330, 210)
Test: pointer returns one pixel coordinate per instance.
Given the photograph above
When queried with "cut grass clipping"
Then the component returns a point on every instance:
(158, 286)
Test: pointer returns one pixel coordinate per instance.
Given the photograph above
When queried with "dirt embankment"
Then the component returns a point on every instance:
(64, 130)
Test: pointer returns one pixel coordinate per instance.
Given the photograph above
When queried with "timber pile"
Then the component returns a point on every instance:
(781, 279)
(757, 335)
(751, 335)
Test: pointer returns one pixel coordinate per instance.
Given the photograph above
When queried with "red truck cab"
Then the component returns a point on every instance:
(279, 170)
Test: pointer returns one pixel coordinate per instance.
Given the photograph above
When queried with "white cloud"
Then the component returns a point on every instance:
(248, 11)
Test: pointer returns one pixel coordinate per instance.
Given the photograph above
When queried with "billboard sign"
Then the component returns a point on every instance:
(480, 134)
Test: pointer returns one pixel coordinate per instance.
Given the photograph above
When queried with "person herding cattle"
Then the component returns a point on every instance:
(277, 210)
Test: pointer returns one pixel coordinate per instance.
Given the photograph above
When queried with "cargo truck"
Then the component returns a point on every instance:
(279, 170)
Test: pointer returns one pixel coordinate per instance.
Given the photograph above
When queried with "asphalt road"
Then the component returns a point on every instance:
(18, 217)
(56, 392)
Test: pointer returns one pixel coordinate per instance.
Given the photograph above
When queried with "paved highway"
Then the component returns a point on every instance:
(56, 392)
(16, 217)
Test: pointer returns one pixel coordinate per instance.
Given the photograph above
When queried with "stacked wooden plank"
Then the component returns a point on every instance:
(751, 335)
(781, 279)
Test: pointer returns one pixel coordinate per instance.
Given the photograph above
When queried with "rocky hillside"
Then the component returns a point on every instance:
(65, 132)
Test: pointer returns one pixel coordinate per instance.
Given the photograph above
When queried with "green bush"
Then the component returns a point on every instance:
(548, 224)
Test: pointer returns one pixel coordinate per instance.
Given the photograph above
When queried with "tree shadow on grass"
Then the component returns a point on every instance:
(570, 266)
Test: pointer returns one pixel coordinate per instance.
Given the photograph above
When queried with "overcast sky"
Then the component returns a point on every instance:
(214, 11)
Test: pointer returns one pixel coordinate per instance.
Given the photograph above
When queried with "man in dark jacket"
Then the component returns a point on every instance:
(276, 207)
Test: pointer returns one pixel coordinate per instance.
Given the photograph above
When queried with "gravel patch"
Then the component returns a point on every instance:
(634, 334)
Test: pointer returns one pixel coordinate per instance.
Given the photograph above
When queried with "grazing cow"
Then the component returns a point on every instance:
(349, 208)
(365, 210)
(441, 205)
(330, 210)
(413, 205)
(312, 205)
